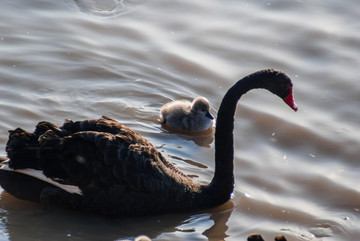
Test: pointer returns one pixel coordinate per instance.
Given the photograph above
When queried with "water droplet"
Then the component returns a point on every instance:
(247, 195)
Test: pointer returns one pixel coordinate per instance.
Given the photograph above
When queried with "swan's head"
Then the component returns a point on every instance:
(201, 105)
(280, 84)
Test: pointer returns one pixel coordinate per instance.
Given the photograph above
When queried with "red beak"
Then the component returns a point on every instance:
(289, 100)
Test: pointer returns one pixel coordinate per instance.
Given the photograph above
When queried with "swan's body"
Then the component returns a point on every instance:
(186, 115)
(118, 171)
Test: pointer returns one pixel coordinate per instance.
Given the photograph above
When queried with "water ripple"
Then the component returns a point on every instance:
(107, 7)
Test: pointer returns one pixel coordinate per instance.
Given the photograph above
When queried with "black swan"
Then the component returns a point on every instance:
(112, 170)
(188, 116)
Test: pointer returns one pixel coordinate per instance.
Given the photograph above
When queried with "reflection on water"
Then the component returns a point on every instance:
(203, 138)
(218, 230)
(294, 172)
(107, 7)
(59, 224)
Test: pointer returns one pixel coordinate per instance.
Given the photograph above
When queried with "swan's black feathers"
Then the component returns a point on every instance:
(100, 157)
(22, 149)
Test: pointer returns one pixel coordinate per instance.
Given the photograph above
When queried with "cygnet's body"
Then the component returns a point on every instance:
(186, 115)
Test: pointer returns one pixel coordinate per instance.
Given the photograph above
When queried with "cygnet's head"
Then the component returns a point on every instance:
(201, 105)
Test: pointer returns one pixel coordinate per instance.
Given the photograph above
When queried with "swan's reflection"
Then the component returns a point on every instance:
(203, 138)
(23, 220)
(220, 218)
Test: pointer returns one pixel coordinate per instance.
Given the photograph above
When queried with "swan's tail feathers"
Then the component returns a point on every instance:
(22, 148)
(39, 150)
(32, 159)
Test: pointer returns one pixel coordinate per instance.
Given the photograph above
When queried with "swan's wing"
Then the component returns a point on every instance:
(94, 155)
(117, 171)
(96, 160)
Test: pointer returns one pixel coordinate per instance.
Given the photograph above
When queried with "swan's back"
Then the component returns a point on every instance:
(118, 171)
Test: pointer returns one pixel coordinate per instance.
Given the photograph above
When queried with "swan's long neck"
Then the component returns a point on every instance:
(277, 82)
(222, 184)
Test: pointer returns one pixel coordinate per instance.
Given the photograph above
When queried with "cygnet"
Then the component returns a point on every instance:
(186, 115)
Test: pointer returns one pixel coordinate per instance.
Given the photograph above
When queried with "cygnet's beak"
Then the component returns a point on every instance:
(209, 115)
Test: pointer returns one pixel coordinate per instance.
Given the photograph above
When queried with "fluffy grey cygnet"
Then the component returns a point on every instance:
(186, 115)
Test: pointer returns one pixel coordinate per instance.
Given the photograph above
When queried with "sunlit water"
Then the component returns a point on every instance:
(296, 174)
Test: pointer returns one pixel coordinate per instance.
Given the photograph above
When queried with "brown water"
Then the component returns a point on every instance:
(296, 174)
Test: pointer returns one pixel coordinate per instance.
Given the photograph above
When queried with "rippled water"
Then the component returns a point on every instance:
(296, 174)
